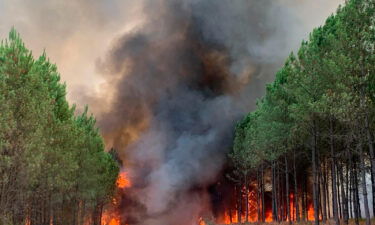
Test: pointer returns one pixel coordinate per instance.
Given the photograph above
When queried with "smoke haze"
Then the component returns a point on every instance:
(167, 80)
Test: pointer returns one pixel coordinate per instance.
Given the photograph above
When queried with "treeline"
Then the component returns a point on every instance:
(311, 137)
(53, 168)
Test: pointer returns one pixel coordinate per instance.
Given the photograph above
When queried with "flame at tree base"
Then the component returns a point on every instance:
(110, 216)
(228, 216)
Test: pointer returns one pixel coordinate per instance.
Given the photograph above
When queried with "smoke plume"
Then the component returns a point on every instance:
(178, 83)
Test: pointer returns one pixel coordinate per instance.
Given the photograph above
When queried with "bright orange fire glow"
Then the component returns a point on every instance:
(123, 180)
(201, 222)
(106, 220)
(114, 222)
(310, 213)
(231, 216)
(228, 218)
(111, 218)
(268, 216)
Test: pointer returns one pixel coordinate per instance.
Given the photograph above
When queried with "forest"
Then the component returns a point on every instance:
(53, 168)
(310, 141)
(305, 154)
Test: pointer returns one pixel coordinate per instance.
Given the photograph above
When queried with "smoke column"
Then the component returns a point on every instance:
(178, 82)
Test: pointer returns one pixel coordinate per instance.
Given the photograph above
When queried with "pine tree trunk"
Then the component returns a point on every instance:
(230, 216)
(247, 200)
(262, 189)
(83, 212)
(333, 176)
(324, 185)
(259, 189)
(295, 186)
(304, 199)
(279, 195)
(274, 201)
(350, 180)
(347, 185)
(315, 177)
(318, 185)
(287, 190)
(343, 197)
(372, 160)
(327, 190)
(101, 213)
(357, 212)
(364, 188)
(324, 197)
(339, 192)
(350, 190)
(239, 208)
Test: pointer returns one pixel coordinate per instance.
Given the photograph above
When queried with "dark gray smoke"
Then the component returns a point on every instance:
(179, 82)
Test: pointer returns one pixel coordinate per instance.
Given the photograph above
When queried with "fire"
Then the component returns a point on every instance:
(123, 180)
(230, 216)
(114, 222)
(108, 219)
(201, 222)
(310, 213)
(112, 218)
(268, 216)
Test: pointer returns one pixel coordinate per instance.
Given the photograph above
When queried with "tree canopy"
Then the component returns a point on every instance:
(319, 111)
(53, 167)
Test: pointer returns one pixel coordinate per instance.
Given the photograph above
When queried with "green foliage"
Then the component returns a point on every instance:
(50, 159)
(332, 78)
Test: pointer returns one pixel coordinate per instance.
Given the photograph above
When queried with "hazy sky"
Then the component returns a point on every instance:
(76, 33)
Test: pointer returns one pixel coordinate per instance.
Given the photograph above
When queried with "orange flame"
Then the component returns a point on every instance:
(123, 180)
(230, 216)
(310, 213)
(112, 218)
(108, 219)
(268, 216)
(201, 222)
